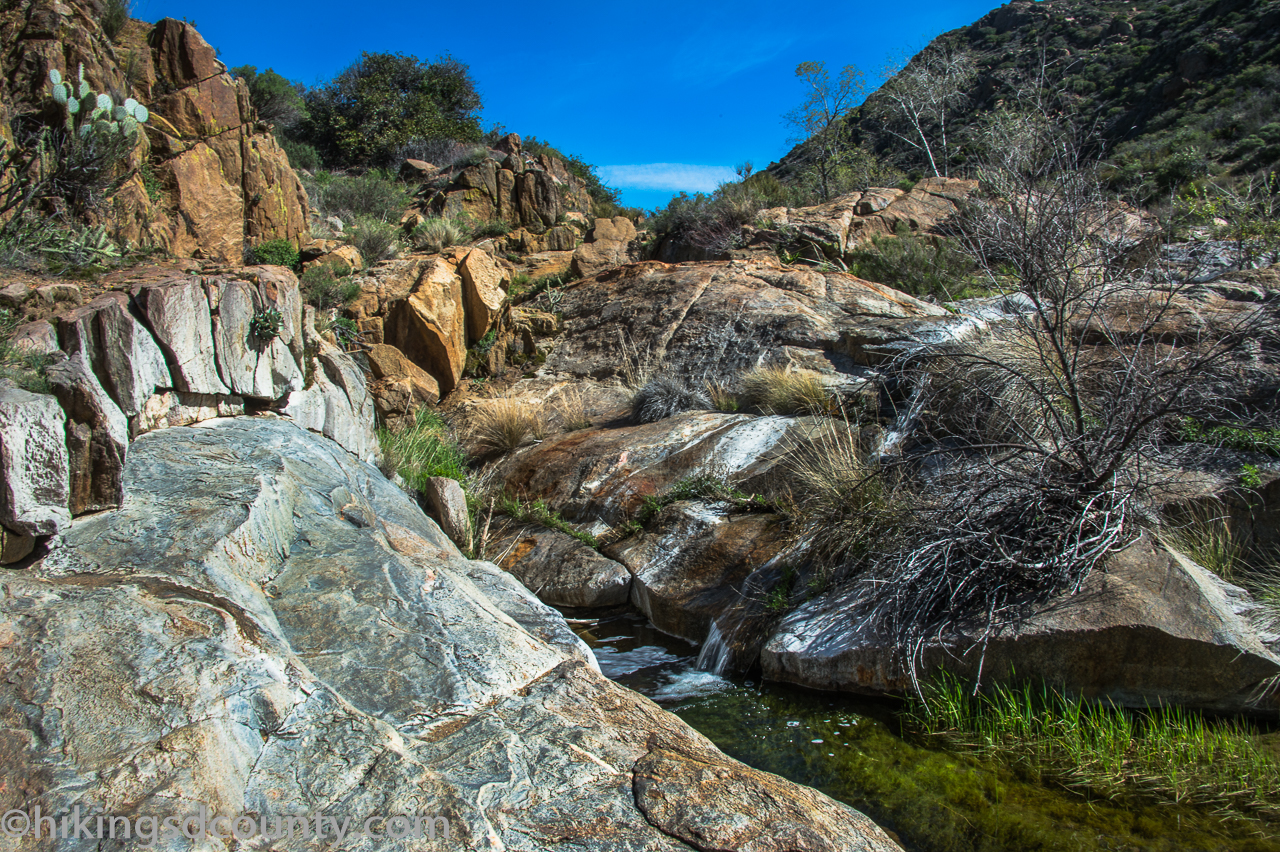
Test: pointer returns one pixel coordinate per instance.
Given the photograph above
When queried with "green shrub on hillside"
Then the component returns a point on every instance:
(300, 154)
(375, 239)
(374, 194)
(326, 288)
(922, 266)
(275, 253)
(276, 99)
(113, 17)
(364, 115)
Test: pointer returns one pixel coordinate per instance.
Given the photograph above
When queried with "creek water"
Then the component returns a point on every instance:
(853, 750)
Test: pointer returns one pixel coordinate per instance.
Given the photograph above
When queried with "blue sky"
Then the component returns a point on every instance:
(661, 96)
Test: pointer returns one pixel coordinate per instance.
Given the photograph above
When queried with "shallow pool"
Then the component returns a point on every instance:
(851, 749)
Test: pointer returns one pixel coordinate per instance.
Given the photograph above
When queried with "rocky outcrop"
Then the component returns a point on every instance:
(713, 321)
(175, 350)
(484, 292)
(532, 194)
(35, 489)
(610, 243)
(222, 183)
(841, 224)
(1152, 629)
(268, 626)
(428, 322)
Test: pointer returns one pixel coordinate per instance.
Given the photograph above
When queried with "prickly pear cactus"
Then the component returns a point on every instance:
(88, 113)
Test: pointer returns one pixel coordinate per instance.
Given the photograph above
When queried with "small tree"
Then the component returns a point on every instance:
(918, 102)
(276, 99)
(818, 118)
(384, 100)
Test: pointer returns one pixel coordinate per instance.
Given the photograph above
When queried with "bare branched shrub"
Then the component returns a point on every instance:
(779, 390)
(666, 397)
(504, 424)
(1039, 438)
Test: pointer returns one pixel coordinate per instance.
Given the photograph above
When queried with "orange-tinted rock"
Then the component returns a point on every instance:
(429, 324)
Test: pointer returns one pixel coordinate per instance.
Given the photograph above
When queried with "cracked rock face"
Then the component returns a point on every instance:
(268, 626)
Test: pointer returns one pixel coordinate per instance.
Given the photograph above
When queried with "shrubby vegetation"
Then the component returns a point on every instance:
(924, 266)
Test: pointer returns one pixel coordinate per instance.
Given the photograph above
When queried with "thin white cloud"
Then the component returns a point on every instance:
(677, 177)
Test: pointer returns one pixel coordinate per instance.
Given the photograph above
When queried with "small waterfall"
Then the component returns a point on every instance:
(903, 424)
(715, 653)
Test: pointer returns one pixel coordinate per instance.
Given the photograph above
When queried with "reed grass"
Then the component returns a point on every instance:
(423, 450)
(1203, 532)
(1167, 754)
(538, 512)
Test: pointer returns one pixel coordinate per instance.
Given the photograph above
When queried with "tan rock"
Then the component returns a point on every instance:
(344, 258)
(35, 338)
(429, 324)
(484, 292)
(388, 362)
(417, 170)
(559, 569)
(210, 220)
(182, 55)
(606, 246)
(12, 295)
(506, 200)
(15, 546)
(52, 294)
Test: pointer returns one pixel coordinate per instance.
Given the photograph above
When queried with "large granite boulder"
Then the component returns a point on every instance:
(839, 226)
(268, 626)
(558, 568)
(608, 244)
(1152, 628)
(428, 322)
(35, 471)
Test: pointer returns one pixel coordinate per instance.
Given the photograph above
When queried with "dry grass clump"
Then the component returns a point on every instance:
(847, 509)
(503, 424)
(778, 390)
(436, 234)
(572, 410)
(722, 399)
(1203, 532)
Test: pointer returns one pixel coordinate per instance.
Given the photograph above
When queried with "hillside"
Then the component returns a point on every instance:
(1176, 91)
